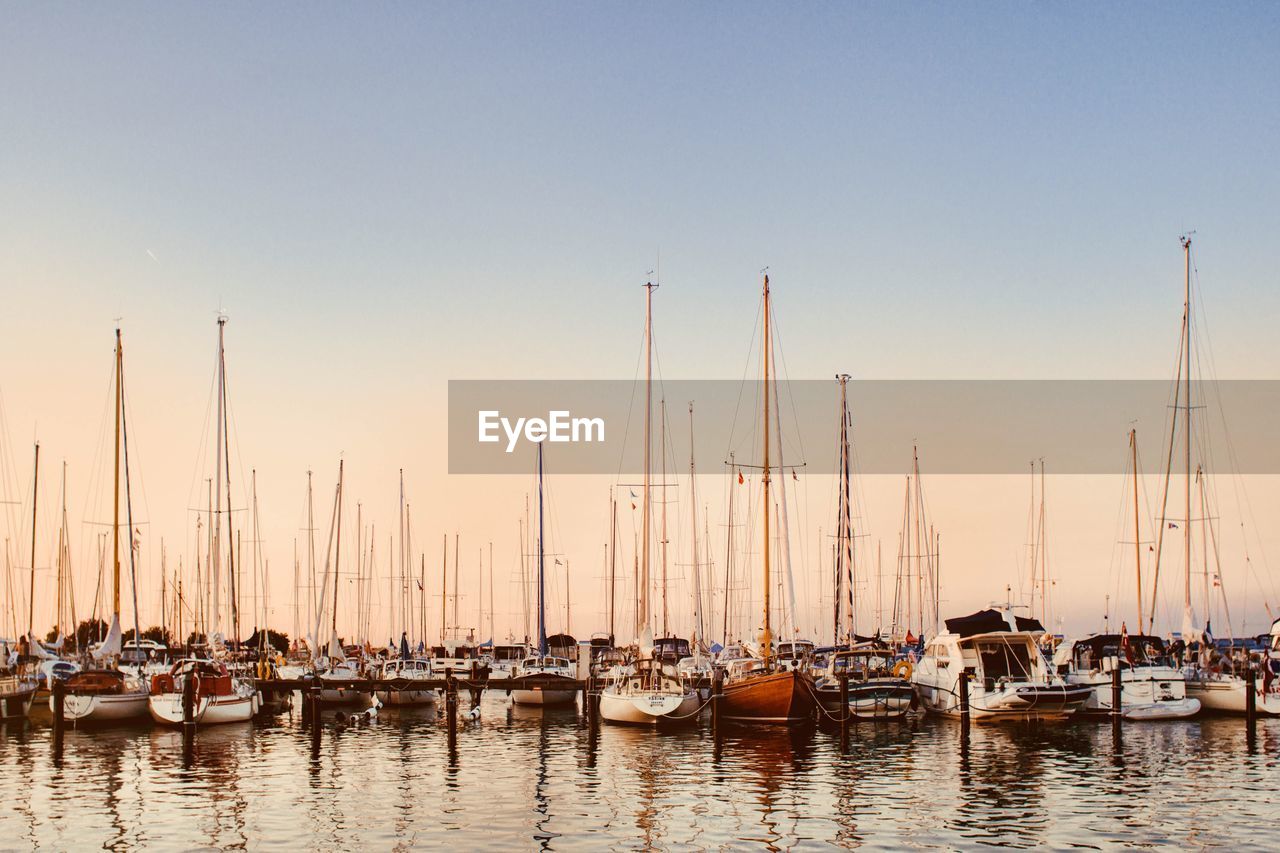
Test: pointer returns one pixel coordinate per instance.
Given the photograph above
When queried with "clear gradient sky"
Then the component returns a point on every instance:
(386, 197)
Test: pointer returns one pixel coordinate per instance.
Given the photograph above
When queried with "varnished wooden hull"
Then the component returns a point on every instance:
(776, 697)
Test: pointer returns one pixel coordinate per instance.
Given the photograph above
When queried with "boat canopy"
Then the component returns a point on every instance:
(991, 621)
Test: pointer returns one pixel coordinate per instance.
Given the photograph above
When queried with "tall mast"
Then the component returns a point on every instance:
(613, 562)
(311, 556)
(766, 635)
(491, 614)
(31, 595)
(698, 633)
(457, 561)
(1137, 535)
(662, 444)
(216, 567)
(1186, 255)
(444, 588)
(542, 614)
(844, 538)
(643, 629)
(115, 495)
(337, 551)
(728, 549)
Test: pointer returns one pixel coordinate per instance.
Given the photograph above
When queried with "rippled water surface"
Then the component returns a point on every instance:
(526, 778)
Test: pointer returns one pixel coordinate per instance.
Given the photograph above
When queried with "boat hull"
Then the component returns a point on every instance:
(1228, 695)
(104, 707)
(647, 708)
(1022, 702)
(406, 697)
(16, 704)
(785, 697)
(166, 709)
(873, 701)
(540, 696)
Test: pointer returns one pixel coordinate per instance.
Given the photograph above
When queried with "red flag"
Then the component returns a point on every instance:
(740, 480)
(793, 475)
(633, 506)
(1124, 643)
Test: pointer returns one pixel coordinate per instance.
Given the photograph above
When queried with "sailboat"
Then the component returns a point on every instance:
(649, 688)
(543, 663)
(334, 667)
(107, 694)
(1215, 683)
(220, 697)
(18, 686)
(1152, 688)
(757, 689)
(875, 691)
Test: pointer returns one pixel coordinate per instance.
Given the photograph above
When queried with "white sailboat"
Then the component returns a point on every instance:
(542, 663)
(1215, 683)
(220, 697)
(649, 688)
(1151, 686)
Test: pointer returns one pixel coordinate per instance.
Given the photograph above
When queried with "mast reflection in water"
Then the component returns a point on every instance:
(531, 777)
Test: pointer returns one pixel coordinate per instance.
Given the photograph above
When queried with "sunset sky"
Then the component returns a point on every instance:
(383, 203)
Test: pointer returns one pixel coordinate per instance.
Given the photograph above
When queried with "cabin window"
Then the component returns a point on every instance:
(1000, 660)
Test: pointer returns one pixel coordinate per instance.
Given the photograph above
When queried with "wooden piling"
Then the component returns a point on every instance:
(1117, 693)
(59, 711)
(1251, 697)
(717, 697)
(189, 700)
(964, 695)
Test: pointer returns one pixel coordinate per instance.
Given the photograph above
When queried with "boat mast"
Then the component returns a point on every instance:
(613, 562)
(444, 587)
(643, 629)
(698, 632)
(1137, 535)
(662, 452)
(728, 549)
(766, 635)
(1186, 255)
(844, 534)
(542, 615)
(337, 551)
(31, 595)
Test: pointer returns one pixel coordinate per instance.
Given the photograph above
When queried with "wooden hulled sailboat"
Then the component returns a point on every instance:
(106, 694)
(757, 690)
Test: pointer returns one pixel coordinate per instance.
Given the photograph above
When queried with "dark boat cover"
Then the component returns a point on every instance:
(989, 621)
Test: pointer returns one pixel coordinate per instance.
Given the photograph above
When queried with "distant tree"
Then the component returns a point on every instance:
(196, 639)
(278, 640)
(90, 631)
(157, 634)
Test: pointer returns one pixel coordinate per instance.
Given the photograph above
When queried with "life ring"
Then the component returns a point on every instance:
(902, 669)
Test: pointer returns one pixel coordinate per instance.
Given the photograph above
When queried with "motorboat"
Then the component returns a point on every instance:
(555, 668)
(1009, 677)
(1151, 688)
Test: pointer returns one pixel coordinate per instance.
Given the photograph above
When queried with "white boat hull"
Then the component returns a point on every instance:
(1228, 694)
(1173, 709)
(538, 696)
(104, 708)
(166, 708)
(406, 697)
(646, 708)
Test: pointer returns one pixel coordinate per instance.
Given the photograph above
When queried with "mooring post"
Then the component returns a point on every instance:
(1251, 697)
(451, 705)
(717, 696)
(59, 711)
(1117, 694)
(313, 694)
(189, 700)
(964, 696)
(846, 713)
